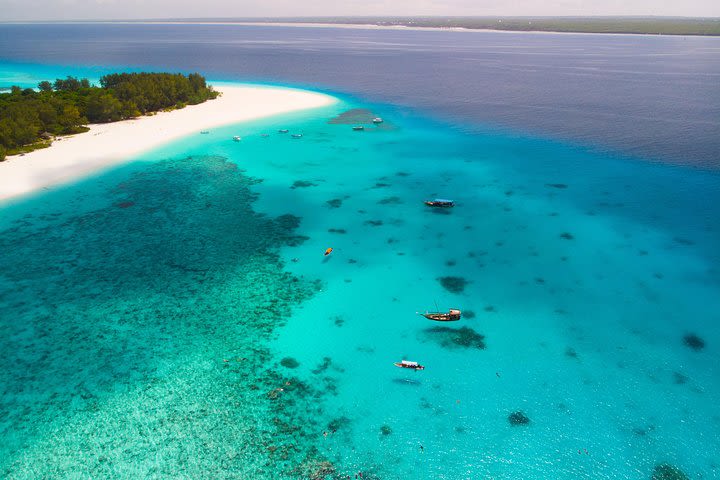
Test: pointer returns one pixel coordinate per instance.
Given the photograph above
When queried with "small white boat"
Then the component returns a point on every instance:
(237, 138)
(377, 120)
(359, 128)
(296, 135)
(408, 364)
(283, 130)
(440, 202)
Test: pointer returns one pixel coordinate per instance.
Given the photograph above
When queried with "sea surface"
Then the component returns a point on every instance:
(175, 317)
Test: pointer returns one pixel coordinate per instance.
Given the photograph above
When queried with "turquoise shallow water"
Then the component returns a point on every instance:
(176, 318)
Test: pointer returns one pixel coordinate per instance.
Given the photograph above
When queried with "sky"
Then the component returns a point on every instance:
(24, 10)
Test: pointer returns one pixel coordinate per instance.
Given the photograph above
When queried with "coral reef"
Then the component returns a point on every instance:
(666, 471)
(289, 362)
(518, 418)
(464, 337)
(694, 342)
(453, 284)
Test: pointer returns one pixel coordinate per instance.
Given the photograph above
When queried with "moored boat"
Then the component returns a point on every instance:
(358, 128)
(296, 135)
(237, 138)
(452, 315)
(205, 132)
(377, 120)
(440, 203)
(408, 364)
(283, 130)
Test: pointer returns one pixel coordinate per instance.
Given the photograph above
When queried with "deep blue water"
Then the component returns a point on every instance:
(175, 317)
(648, 96)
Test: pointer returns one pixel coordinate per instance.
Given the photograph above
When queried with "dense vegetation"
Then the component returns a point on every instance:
(30, 118)
(639, 25)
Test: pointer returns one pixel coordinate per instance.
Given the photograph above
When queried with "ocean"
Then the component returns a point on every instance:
(175, 317)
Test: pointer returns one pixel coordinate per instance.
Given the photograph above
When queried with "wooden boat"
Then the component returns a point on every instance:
(408, 364)
(377, 120)
(359, 128)
(283, 130)
(440, 203)
(296, 135)
(452, 315)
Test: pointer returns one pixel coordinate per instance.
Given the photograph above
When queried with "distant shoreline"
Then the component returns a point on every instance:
(607, 25)
(108, 144)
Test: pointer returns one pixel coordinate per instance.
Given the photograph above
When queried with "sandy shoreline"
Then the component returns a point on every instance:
(112, 143)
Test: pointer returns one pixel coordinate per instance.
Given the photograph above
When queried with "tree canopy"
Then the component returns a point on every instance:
(29, 117)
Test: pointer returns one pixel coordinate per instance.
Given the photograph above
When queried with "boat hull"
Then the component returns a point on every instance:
(441, 317)
(409, 367)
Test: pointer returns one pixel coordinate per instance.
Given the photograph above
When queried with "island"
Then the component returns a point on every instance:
(108, 143)
(30, 119)
(641, 25)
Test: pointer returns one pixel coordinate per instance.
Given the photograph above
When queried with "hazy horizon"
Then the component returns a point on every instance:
(109, 10)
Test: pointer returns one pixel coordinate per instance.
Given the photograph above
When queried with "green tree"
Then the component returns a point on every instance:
(45, 86)
(70, 84)
(103, 107)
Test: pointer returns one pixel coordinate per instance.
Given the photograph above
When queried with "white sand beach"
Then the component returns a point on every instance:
(111, 143)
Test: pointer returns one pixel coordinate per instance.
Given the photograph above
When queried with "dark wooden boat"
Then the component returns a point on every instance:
(408, 364)
(440, 203)
(452, 315)
(359, 128)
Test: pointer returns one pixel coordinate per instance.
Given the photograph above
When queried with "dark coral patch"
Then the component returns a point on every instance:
(353, 116)
(464, 337)
(334, 203)
(303, 184)
(694, 342)
(665, 471)
(374, 223)
(339, 423)
(323, 366)
(518, 418)
(556, 185)
(125, 204)
(390, 201)
(289, 362)
(453, 284)
(385, 430)
(341, 231)
(468, 314)
(679, 378)
(566, 236)
(683, 241)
